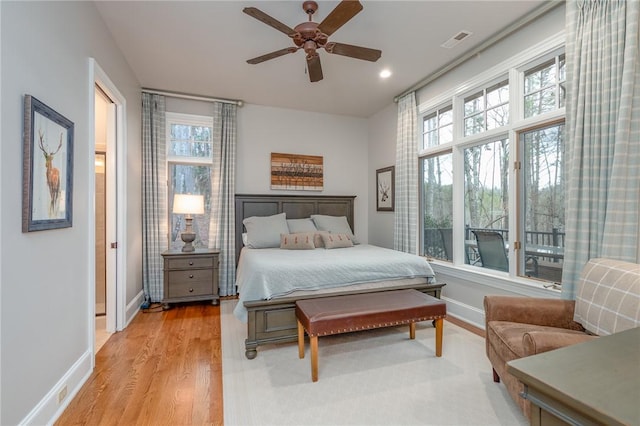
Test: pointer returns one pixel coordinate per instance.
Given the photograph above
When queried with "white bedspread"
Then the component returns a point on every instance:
(267, 273)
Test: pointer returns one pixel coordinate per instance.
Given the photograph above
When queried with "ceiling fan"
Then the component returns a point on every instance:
(311, 36)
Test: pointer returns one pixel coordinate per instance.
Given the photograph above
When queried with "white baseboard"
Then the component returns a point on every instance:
(47, 411)
(133, 308)
(464, 312)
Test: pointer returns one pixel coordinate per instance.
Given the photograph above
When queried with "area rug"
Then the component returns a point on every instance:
(376, 377)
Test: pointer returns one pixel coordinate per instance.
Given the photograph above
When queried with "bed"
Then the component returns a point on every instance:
(268, 292)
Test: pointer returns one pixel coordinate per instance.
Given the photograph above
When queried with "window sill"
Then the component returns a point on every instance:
(495, 279)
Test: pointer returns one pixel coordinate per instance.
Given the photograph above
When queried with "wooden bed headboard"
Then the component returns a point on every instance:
(295, 206)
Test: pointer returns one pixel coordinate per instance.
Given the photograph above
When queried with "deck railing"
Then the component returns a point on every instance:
(435, 246)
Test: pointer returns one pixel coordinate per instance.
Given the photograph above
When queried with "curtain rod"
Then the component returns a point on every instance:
(193, 97)
(486, 44)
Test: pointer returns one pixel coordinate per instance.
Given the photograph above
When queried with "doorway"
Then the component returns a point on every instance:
(105, 93)
(104, 131)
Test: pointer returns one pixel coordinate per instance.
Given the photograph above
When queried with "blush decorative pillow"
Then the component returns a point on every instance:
(264, 231)
(332, 241)
(317, 238)
(300, 241)
(334, 224)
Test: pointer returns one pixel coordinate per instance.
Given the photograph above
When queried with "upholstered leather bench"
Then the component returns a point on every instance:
(342, 314)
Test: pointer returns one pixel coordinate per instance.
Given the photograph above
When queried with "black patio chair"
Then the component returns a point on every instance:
(447, 242)
(492, 251)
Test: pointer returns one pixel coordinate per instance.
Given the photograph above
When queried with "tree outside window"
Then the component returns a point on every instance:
(189, 162)
(437, 199)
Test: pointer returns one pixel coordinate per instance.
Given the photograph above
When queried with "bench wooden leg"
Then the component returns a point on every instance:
(439, 325)
(300, 340)
(412, 330)
(314, 358)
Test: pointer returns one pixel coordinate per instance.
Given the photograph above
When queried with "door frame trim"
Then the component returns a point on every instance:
(116, 311)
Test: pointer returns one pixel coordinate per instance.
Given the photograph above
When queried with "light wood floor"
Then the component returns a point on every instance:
(165, 368)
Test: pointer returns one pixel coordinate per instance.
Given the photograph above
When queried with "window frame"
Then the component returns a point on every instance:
(512, 70)
(175, 160)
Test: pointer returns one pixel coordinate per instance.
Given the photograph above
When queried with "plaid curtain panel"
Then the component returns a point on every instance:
(406, 189)
(154, 195)
(222, 226)
(603, 135)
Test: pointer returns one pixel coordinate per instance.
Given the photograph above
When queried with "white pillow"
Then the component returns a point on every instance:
(264, 231)
(245, 239)
(333, 224)
(301, 225)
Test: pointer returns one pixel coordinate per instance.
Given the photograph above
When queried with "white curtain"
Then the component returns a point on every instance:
(406, 189)
(603, 134)
(154, 195)
(222, 224)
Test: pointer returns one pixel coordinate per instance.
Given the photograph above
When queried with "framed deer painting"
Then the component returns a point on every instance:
(47, 169)
(385, 186)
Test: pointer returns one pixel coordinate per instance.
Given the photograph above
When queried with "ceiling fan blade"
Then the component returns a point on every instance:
(353, 51)
(344, 11)
(272, 55)
(272, 22)
(315, 69)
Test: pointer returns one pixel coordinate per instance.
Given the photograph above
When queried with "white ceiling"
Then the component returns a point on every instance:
(201, 47)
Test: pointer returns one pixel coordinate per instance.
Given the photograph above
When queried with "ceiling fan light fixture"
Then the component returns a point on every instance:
(385, 73)
(311, 36)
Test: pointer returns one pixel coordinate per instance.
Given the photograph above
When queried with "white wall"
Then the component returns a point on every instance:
(45, 276)
(464, 297)
(340, 140)
(382, 153)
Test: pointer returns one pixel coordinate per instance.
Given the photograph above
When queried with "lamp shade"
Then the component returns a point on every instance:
(188, 204)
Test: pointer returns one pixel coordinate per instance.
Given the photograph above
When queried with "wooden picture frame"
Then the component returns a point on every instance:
(385, 188)
(47, 168)
(296, 172)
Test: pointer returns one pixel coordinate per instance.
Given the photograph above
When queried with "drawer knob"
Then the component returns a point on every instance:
(191, 263)
(191, 276)
(190, 290)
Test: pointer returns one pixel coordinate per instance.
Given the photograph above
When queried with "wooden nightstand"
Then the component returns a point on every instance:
(190, 276)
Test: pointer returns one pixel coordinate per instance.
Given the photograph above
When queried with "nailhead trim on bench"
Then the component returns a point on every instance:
(380, 325)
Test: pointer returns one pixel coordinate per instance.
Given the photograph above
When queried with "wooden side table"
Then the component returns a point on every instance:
(190, 276)
(591, 383)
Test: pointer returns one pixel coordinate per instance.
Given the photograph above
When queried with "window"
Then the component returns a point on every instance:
(437, 198)
(493, 197)
(438, 128)
(486, 193)
(544, 87)
(544, 196)
(189, 164)
(487, 109)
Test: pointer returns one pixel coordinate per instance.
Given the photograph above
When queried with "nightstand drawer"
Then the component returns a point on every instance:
(191, 262)
(190, 276)
(195, 283)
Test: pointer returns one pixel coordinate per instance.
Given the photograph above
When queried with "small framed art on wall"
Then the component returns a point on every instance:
(385, 186)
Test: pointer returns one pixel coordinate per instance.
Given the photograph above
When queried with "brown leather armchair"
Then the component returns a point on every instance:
(517, 327)
(607, 302)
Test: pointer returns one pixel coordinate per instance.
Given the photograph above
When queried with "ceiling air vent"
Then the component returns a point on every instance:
(456, 39)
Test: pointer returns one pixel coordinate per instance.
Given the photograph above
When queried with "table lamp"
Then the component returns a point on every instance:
(188, 204)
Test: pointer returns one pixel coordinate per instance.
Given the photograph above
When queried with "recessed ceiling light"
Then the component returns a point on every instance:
(385, 74)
